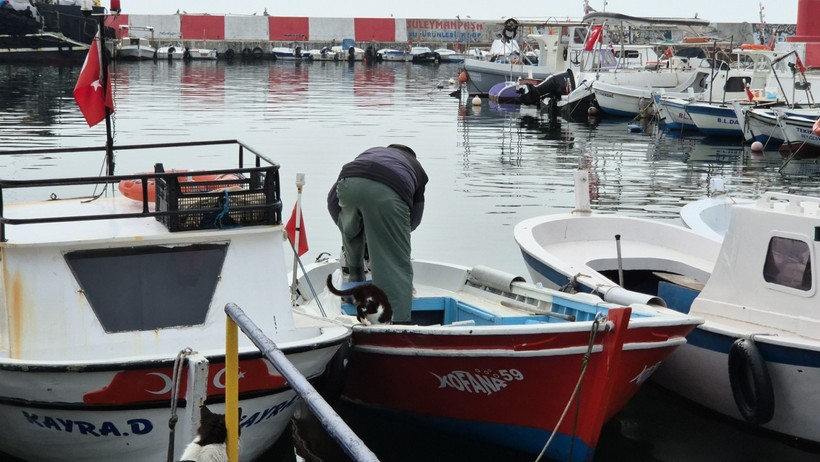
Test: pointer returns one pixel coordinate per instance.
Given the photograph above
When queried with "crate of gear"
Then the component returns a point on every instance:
(191, 200)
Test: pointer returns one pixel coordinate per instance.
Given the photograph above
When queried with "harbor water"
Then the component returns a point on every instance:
(489, 167)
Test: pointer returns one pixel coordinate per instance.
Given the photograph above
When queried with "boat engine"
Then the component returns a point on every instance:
(554, 86)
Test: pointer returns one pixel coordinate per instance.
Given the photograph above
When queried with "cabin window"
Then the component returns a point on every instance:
(628, 54)
(788, 263)
(150, 287)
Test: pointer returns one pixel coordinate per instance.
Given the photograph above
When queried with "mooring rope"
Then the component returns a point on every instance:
(172, 421)
(584, 363)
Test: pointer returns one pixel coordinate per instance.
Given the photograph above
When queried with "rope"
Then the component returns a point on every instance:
(172, 421)
(584, 363)
(224, 213)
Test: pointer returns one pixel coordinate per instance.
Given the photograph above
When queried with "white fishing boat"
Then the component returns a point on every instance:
(322, 54)
(114, 308)
(446, 55)
(181, 52)
(756, 356)
(135, 49)
(290, 53)
(506, 63)
(392, 54)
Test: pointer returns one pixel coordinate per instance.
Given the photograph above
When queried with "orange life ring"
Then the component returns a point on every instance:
(132, 189)
(753, 46)
(695, 39)
(816, 128)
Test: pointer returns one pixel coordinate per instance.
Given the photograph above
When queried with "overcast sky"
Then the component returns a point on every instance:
(776, 12)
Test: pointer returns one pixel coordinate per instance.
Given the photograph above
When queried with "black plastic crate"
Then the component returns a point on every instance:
(219, 199)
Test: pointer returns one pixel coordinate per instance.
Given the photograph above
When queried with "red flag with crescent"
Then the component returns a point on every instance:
(92, 95)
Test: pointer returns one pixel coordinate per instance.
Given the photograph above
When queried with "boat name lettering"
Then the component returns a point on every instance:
(807, 133)
(486, 382)
(106, 428)
(439, 24)
(605, 94)
(724, 120)
(684, 116)
(259, 417)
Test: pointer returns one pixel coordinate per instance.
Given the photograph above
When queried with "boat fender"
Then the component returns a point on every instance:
(297, 52)
(246, 53)
(229, 53)
(750, 382)
(257, 53)
(620, 296)
(493, 278)
(816, 128)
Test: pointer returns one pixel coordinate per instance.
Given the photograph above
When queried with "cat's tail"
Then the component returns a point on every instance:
(332, 289)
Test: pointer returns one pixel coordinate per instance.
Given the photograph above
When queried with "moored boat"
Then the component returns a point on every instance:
(756, 356)
(115, 307)
(481, 348)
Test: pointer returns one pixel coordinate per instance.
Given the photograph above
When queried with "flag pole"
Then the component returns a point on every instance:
(300, 182)
(86, 9)
(109, 138)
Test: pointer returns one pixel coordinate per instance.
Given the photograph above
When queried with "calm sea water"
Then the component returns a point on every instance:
(489, 167)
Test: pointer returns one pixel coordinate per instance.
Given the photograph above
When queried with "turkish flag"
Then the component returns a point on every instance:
(291, 229)
(595, 36)
(91, 95)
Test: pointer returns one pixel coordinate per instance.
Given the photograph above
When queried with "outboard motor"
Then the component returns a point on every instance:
(554, 86)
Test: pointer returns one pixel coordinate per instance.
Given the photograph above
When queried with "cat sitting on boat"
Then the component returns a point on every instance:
(209, 443)
(372, 305)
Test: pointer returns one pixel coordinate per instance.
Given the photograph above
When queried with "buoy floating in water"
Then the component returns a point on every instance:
(462, 77)
(757, 146)
(476, 101)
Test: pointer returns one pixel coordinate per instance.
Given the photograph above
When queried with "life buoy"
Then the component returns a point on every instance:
(695, 39)
(753, 46)
(750, 382)
(816, 128)
(132, 189)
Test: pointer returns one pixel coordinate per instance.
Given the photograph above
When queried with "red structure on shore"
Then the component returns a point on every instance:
(808, 31)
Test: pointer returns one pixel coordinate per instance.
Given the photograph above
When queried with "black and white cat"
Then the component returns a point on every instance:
(372, 305)
(209, 443)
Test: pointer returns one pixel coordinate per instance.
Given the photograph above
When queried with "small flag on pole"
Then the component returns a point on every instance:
(93, 96)
(295, 232)
(799, 63)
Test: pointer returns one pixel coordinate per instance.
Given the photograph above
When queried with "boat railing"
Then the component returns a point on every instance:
(333, 423)
(184, 200)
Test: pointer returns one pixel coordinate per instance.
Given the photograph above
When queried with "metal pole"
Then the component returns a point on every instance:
(232, 389)
(620, 261)
(300, 182)
(338, 429)
(109, 138)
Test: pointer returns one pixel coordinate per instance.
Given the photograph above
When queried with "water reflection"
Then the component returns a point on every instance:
(490, 167)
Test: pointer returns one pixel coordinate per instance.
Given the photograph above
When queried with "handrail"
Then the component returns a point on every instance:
(338, 429)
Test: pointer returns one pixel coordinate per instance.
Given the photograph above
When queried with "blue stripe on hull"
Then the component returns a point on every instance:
(523, 439)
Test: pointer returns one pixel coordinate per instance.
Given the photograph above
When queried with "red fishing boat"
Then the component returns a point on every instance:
(494, 358)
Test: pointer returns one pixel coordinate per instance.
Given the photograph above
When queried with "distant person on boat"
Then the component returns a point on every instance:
(376, 202)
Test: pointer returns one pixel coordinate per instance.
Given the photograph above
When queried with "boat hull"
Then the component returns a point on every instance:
(487, 386)
(713, 120)
(97, 412)
(481, 363)
(483, 75)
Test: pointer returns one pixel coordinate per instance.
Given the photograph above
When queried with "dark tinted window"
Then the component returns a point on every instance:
(151, 287)
(788, 263)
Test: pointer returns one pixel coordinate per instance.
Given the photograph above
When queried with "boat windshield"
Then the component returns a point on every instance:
(149, 287)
